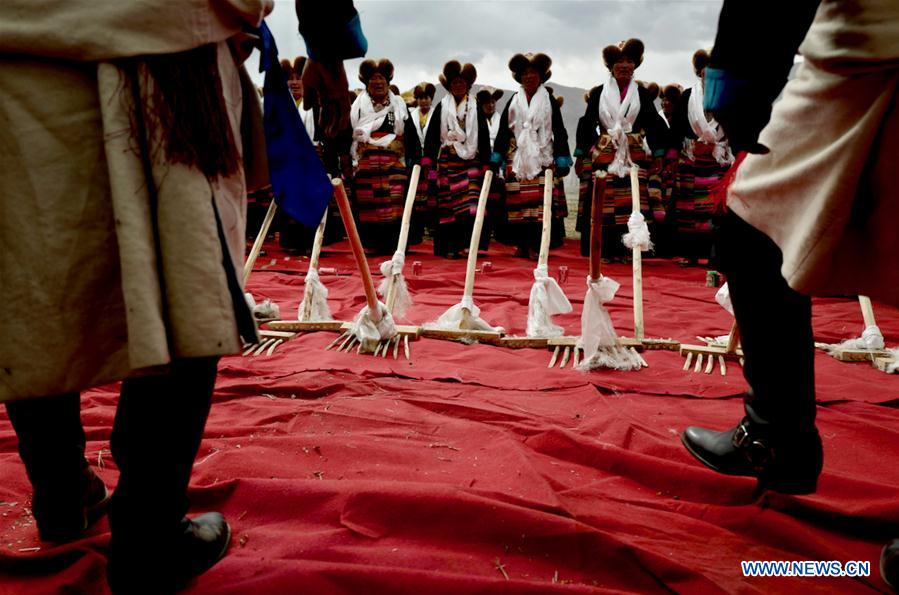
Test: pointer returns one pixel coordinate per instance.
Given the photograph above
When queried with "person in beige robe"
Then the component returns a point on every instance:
(118, 259)
(812, 211)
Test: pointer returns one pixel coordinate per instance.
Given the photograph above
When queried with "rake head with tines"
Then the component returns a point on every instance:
(347, 342)
(268, 342)
(714, 354)
(567, 349)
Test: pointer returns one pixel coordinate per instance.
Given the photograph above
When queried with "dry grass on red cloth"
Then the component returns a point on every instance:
(474, 468)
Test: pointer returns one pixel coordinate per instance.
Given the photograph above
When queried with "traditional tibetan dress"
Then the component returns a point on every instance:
(383, 155)
(619, 128)
(532, 139)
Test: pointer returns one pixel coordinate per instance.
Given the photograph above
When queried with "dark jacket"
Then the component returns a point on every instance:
(431, 149)
(560, 135)
(648, 121)
(680, 125)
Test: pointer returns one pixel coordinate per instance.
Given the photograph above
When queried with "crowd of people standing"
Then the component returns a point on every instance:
(680, 151)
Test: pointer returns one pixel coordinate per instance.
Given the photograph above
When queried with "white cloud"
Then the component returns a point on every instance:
(419, 36)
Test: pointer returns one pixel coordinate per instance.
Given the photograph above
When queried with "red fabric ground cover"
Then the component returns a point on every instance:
(348, 474)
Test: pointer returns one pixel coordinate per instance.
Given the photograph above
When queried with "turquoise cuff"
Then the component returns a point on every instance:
(722, 89)
(343, 44)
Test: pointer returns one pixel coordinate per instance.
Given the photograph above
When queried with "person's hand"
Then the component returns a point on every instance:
(579, 166)
(330, 83)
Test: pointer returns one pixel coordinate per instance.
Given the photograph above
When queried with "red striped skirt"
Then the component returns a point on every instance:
(380, 182)
(458, 186)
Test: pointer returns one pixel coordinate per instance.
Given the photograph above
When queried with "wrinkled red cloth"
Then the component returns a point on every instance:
(343, 473)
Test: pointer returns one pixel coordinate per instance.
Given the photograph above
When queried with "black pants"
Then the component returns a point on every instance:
(158, 427)
(453, 237)
(776, 326)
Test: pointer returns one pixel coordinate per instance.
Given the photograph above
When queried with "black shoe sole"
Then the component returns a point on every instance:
(795, 487)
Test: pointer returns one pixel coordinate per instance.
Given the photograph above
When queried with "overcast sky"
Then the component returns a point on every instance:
(419, 36)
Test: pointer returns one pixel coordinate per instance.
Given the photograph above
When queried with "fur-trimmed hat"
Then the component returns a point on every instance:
(651, 88)
(424, 89)
(632, 48)
(294, 68)
(701, 59)
(453, 69)
(672, 93)
(539, 62)
(559, 99)
(299, 63)
(369, 68)
(488, 93)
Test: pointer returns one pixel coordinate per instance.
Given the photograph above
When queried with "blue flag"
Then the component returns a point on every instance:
(299, 181)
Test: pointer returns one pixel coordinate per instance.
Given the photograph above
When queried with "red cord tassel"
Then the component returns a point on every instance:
(718, 194)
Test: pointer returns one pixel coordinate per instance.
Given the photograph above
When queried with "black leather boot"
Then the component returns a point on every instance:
(889, 564)
(783, 461)
(157, 567)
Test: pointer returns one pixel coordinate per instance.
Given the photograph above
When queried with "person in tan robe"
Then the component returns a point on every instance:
(812, 211)
(124, 186)
(122, 227)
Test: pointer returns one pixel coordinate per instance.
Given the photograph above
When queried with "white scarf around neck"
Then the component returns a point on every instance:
(707, 131)
(532, 125)
(365, 120)
(493, 127)
(617, 117)
(465, 142)
(415, 118)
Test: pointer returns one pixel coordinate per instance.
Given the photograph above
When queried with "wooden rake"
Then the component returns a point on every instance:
(637, 260)
(404, 332)
(713, 352)
(848, 354)
(468, 331)
(348, 340)
(269, 339)
(570, 348)
(305, 324)
(542, 260)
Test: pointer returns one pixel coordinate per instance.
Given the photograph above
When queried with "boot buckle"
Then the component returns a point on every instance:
(757, 452)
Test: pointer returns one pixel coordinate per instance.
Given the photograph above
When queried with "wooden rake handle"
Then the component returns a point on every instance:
(596, 207)
(317, 242)
(547, 217)
(343, 204)
(637, 259)
(476, 236)
(260, 240)
(314, 259)
(867, 310)
(404, 232)
(733, 339)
